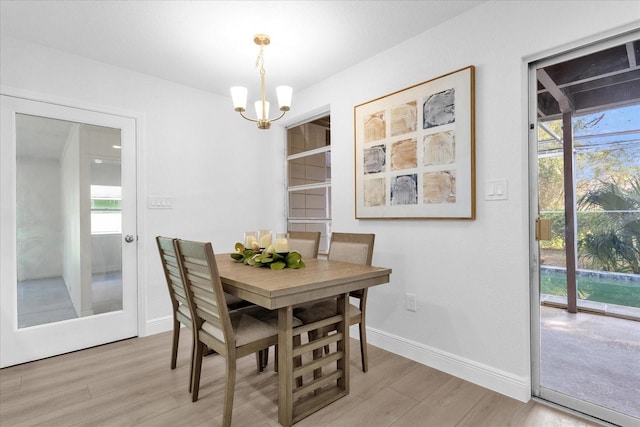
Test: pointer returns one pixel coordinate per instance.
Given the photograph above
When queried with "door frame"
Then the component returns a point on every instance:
(8, 212)
(530, 64)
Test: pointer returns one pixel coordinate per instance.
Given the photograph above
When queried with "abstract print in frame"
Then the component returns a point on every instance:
(415, 151)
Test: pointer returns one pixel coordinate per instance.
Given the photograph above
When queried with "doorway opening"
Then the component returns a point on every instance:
(586, 287)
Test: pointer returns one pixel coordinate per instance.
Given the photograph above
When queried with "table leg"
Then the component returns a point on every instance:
(287, 413)
(285, 366)
(343, 364)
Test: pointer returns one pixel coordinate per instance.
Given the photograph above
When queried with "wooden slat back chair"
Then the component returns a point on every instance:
(232, 334)
(177, 293)
(356, 248)
(305, 242)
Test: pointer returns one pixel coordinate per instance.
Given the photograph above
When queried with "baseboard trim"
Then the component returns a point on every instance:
(158, 325)
(486, 376)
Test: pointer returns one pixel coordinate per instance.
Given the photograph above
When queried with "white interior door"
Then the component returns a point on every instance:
(68, 225)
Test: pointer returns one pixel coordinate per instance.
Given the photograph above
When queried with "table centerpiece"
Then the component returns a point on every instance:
(267, 257)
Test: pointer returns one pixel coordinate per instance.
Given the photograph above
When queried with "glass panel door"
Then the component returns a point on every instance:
(68, 250)
(68, 238)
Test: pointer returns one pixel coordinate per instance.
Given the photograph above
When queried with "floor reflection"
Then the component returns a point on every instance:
(47, 300)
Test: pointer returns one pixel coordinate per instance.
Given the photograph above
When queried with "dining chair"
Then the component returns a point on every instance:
(356, 248)
(305, 242)
(233, 334)
(177, 294)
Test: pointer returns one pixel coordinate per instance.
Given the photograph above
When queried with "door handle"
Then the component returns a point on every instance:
(543, 229)
(129, 238)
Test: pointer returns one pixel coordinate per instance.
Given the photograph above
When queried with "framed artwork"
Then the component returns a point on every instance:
(415, 151)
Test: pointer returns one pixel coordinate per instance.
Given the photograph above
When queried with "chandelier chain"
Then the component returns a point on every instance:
(260, 60)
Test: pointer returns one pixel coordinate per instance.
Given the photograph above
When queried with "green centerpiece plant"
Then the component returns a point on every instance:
(267, 258)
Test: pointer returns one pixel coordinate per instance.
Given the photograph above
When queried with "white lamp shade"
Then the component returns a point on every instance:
(258, 106)
(284, 96)
(239, 97)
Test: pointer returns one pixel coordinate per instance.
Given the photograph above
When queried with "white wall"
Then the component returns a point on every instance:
(84, 222)
(225, 176)
(39, 218)
(471, 278)
(106, 249)
(70, 199)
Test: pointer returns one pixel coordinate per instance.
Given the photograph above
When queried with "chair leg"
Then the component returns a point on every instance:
(191, 368)
(317, 353)
(325, 333)
(196, 370)
(363, 347)
(297, 361)
(262, 359)
(275, 360)
(176, 340)
(229, 391)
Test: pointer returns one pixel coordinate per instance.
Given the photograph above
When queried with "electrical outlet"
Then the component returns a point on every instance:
(411, 302)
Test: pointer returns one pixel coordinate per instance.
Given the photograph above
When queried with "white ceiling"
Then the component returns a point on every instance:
(209, 44)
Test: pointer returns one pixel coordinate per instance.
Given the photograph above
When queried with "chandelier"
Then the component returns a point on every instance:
(239, 93)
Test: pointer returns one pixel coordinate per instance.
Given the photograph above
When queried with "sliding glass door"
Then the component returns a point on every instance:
(585, 158)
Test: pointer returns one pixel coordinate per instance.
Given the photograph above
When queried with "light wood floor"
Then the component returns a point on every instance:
(130, 383)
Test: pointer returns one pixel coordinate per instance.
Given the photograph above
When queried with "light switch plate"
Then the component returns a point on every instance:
(160, 202)
(411, 302)
(496, 190)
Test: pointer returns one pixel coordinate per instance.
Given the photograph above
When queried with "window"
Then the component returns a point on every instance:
(105, 209)
(309, 179)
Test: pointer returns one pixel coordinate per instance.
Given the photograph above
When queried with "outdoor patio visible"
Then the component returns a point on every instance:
(592, 357)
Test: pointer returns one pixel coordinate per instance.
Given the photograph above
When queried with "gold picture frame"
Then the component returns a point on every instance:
(415, 151)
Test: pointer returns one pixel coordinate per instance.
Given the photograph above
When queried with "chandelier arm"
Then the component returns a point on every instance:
(248, 118)
(279, 117)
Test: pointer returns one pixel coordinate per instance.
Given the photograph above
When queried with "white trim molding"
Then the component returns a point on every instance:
(158, 325)
(483, 375)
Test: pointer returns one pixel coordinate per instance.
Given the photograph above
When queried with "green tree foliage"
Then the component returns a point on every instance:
(611, 240)
(550, 184)
(551, 181)
(599, 168)
(611, 166)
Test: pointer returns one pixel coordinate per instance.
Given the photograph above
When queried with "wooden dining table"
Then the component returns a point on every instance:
(282, 289)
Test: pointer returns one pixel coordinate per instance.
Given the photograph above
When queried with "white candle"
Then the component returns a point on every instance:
(249, 239)
(282, 244)
(265, 238)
